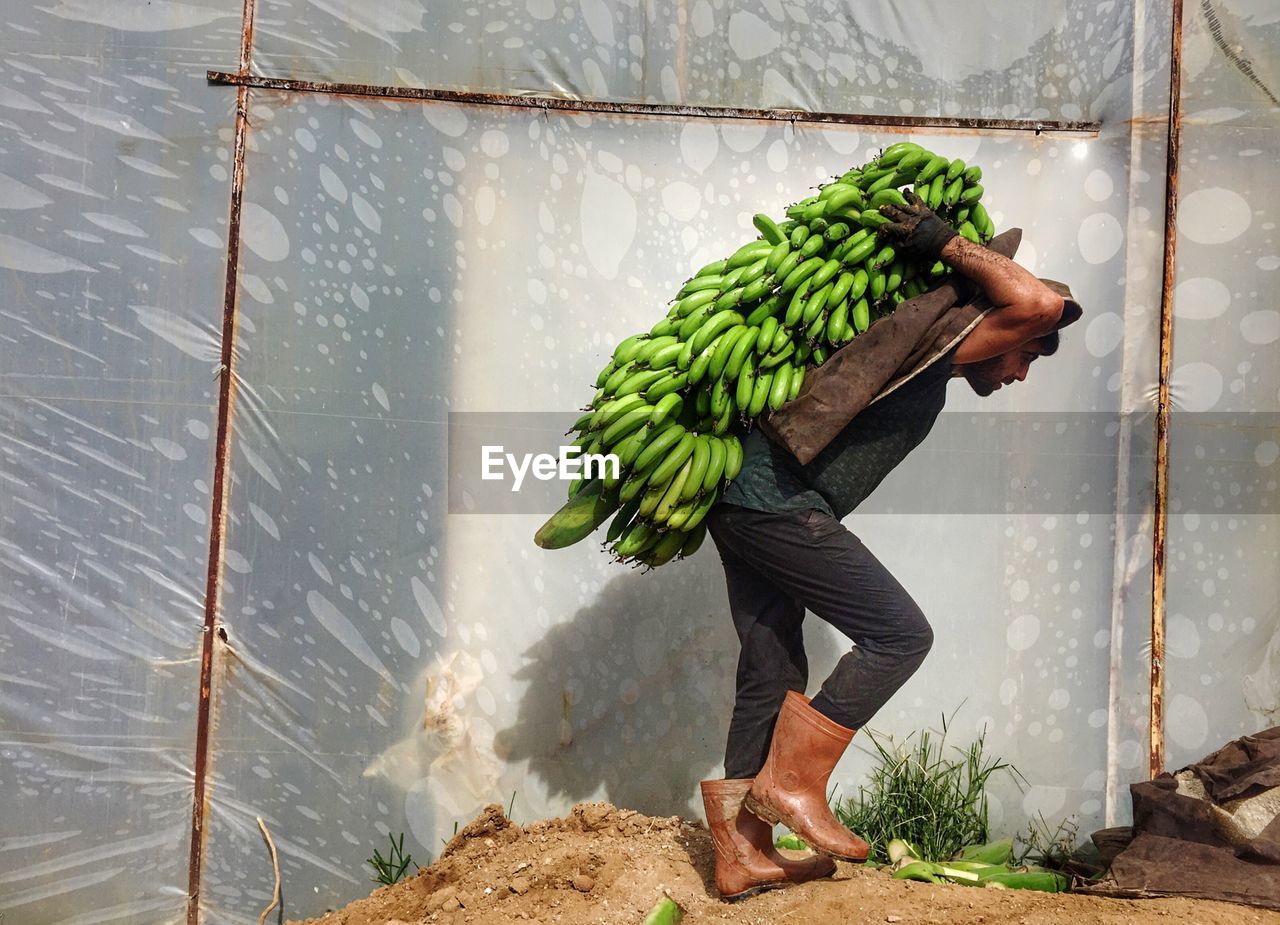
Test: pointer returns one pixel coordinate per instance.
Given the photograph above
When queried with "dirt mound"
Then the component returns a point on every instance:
(603, 865)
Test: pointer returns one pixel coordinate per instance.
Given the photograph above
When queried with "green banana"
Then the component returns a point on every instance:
(801, 273)
(699, 461)
(616, 408)
(759, 393)
(837, 232)
(777, 255)
(692, 541)
(721, 398)
(773, 359)
(621, 521)
(789, 263)
(658, 447)
(633, 541)
(860, 315)
(937, 164)
(951, 195)
(844, 282)
(860, 252)
(639, 381)
(674, 459)
(797, 379)
(745, 382)
(781, 338)
(671, 497)
(712, 328)
(696, 300)
(626, 351)
(795, 308)
(733, 458)
(836, 323)
(764, 340)
(625, 424)
(813, 245)
(764, 310)
(766, 226)
(715, 464)
(825, 273)
(664, 327)
(702, 362)
(757, 289)
(668, 408)
(724, 349)
(936, 190)
(578, 517)
(665, 550)
(664, 357)
(749, 253)
(741, 351)
(780, 387)
(816, 303)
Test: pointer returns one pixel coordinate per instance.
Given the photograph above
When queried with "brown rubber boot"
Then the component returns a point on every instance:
(791, 788)
(746, 860)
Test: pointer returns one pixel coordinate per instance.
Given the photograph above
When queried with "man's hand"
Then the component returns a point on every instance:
(914, 228)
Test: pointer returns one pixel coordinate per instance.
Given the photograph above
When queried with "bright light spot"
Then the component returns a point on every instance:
(1080, 150)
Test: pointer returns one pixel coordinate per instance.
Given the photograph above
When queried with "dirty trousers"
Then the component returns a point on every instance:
(777, 565)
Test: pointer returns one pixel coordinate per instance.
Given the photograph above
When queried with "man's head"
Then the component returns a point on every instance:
(986, 376)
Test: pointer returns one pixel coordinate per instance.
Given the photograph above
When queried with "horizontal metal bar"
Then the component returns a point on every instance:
(1036, 126)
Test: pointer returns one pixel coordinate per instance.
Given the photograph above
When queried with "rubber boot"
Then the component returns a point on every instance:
(791, 788)
(746, 860)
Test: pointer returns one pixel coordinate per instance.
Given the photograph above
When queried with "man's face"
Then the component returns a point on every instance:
(987, 376)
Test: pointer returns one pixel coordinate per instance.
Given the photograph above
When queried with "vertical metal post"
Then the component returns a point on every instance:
(1162, 407)
(221, 464)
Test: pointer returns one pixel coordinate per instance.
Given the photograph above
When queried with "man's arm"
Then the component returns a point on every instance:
(1023, 307)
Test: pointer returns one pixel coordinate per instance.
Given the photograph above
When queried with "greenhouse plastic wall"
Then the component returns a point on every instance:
(113, 202)
(1224, 625)
(390, 659)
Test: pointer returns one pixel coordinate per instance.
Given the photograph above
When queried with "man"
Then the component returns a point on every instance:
(785, 551)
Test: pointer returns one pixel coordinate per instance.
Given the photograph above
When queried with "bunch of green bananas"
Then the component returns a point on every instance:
(739, 336)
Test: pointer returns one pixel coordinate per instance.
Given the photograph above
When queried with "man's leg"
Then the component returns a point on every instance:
(810, 557)
(771, 660)
(771, 663)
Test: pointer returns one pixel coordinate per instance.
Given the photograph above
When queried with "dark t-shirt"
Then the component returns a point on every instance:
(854, 463)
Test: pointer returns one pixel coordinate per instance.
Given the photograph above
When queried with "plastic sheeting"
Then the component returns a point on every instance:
(392, 662)
(1055, 60)
(113, 202)
(1223, 623)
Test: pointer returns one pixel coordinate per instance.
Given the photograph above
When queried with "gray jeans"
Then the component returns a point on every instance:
(777, 565)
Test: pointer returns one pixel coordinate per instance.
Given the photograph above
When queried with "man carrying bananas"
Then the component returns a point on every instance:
(785, 550)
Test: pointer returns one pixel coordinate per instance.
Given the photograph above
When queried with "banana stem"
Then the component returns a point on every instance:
(666, 912)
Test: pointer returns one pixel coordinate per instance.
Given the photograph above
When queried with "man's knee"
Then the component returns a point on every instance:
(920, 641)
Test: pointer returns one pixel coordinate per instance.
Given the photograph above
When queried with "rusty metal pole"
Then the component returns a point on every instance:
(221, 464)
(679, 111)
(1160, 528)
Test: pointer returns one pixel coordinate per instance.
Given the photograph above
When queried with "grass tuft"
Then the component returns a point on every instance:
(924, 791)
(390, 869)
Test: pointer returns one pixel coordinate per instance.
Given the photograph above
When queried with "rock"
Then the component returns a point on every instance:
(893, 918)
(451, 905)
(593, 815)
(583, 883)
(519, 886)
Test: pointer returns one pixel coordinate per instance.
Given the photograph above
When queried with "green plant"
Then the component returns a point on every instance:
(924, 791)
(390, 869)
(1048, 847)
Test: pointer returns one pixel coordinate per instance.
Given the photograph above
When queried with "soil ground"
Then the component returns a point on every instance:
(602, 865)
